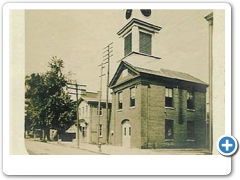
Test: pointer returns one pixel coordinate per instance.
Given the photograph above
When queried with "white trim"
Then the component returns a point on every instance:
(144, 31)
(172, 108)
(191, 110)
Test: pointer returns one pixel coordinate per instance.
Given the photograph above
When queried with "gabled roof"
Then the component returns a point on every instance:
(119, 70)
(161, 73)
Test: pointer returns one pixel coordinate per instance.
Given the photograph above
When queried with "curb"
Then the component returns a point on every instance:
(61, 144)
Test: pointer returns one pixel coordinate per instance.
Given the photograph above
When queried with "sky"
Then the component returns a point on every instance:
(78, 37)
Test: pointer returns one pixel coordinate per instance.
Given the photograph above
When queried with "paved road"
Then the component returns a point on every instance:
(41, 148)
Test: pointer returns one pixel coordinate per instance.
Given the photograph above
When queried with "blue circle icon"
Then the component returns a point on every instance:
(227, 145)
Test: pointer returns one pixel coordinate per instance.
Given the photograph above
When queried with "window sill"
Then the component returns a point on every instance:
(192, 110)
(169, 140)
(190, 140)
(132, 107)
(172, 108)
(119, 110)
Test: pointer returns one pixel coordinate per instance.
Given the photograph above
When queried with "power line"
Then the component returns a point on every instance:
(108, 55)
(76, 88)
(99, 107)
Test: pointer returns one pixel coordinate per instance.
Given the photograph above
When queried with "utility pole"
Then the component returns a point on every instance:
(76, 88)
(107, 59)
(99, 107)
(209, 18)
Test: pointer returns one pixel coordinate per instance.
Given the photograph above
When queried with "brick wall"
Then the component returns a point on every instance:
(132, 114)
(148, 117)
(153, 124)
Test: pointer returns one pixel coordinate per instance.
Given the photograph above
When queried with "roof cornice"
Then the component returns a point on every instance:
(144, 25)
(209, 18)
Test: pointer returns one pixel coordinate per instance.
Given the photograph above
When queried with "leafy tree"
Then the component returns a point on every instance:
(47, 103)
(34, 101)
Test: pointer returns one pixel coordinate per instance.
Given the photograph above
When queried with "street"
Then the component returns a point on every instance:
(69, 148)
(41, 148)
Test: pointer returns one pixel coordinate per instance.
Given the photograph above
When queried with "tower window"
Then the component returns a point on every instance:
(145, 43)
(128, 44)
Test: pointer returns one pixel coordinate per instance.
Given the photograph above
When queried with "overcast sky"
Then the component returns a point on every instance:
(79, 36)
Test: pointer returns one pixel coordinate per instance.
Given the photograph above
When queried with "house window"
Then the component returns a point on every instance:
(128, 44)
(100, 130)
(145, 45)
(190, 130)
(132, 97)
(190, 100)
(101, 111)
(168, 97)
(120, 100)
(130, 131)
(168, 129)
(82, 111)
(125, 131)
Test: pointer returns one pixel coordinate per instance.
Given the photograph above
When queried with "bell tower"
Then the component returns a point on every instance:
(138, 33)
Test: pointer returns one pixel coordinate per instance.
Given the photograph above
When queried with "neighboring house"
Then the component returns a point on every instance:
(154, 107)
(92, 125)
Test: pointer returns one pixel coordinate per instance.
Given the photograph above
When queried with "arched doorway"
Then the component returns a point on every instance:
(126, 133)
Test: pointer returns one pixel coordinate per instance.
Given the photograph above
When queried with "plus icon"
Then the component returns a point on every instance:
(227, 145)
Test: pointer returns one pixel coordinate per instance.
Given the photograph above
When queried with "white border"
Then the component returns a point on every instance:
(116, 5)
(133, 165)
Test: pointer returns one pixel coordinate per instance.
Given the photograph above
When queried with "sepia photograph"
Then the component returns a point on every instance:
(132, 81)
(118, 81)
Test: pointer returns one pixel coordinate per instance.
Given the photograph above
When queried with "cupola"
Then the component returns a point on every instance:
(138, 33)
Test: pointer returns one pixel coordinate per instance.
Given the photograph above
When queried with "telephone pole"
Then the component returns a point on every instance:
(108, 54)
(99, 107)
(76, 88)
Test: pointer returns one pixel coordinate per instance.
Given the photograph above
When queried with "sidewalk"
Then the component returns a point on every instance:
(119, 150)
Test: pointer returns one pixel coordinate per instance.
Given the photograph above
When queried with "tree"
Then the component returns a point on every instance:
(34, 101)
(47, 103)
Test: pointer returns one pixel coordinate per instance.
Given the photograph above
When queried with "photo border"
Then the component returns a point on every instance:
(13, 162)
